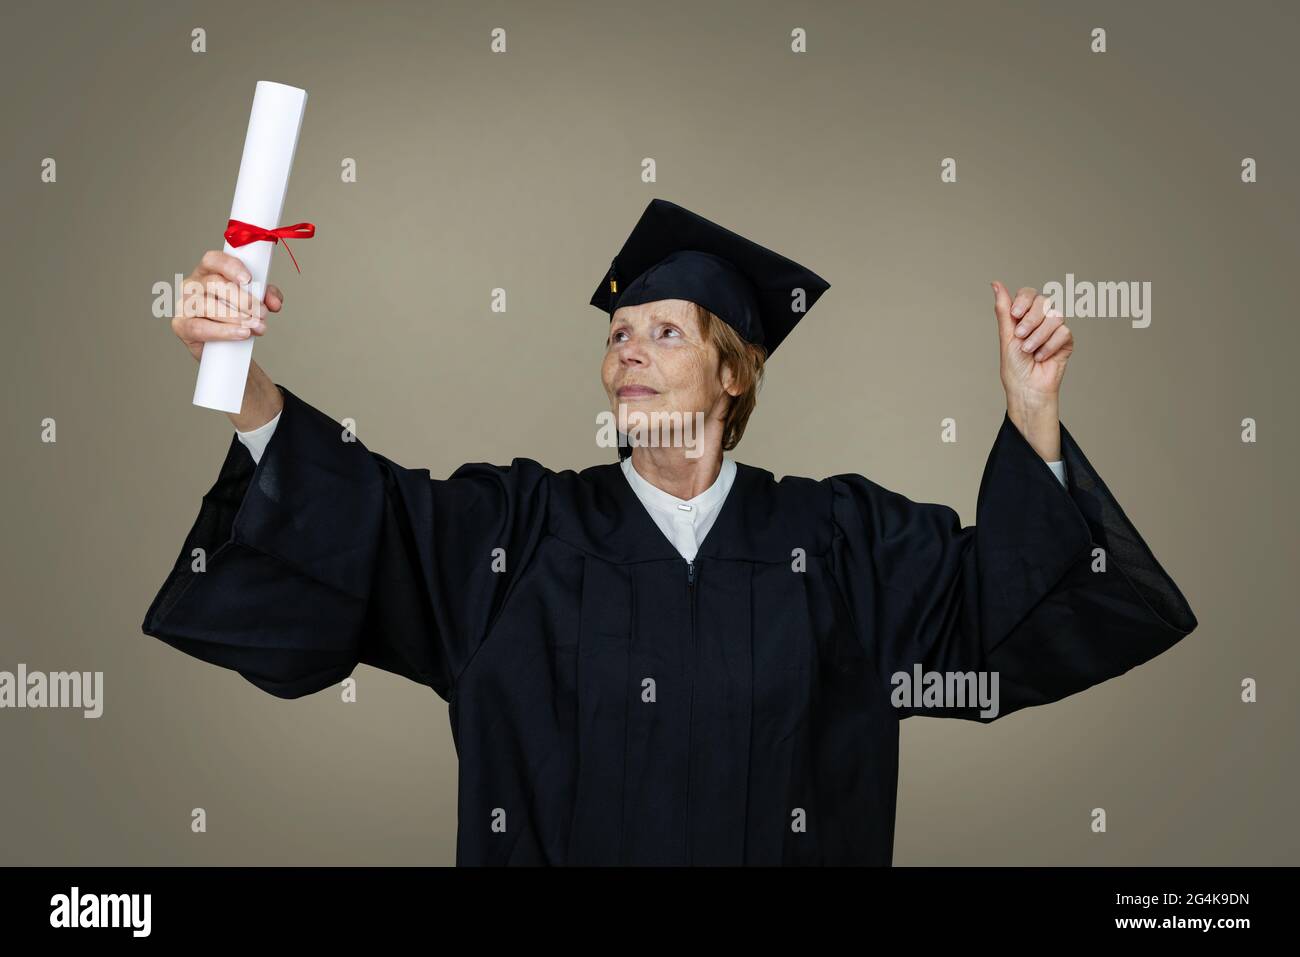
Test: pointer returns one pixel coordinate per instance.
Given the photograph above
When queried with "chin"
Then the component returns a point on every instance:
(644, 403)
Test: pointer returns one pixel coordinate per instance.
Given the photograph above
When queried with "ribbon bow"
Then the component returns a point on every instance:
(241, 234)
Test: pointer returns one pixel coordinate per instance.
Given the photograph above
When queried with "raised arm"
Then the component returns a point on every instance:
(1052, 589)
(319, 554)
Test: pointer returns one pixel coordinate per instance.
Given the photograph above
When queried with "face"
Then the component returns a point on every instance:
(658, 359)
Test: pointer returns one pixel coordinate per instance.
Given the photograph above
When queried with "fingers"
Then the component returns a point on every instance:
(223, 264)
(274, 298)
(1032, 317)
(1027, 316)
(1023, 301)
(1002, 309)
(1041, 324)
(198, 329)
(215, 303)
(236, 297)
(1060, 341)
(214, 298)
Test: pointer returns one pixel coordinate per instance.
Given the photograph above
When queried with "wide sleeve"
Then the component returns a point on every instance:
(1051, 591)
(323, 555)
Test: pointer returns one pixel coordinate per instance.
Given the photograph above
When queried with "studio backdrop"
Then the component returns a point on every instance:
(470, 168)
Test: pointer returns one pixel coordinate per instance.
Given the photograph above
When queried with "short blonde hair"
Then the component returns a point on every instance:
(746, 361)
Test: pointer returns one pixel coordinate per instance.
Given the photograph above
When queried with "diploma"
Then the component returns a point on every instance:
(269, 145)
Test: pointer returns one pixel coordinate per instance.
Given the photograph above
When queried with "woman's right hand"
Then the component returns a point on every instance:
(215, 306)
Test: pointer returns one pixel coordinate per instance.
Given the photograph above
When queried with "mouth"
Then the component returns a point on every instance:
(636, 392)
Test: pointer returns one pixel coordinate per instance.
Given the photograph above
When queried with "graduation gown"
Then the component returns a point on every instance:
(612, 703)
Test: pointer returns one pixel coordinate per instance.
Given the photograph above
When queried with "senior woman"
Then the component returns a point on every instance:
(675, 659)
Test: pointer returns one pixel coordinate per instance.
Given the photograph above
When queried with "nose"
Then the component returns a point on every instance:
(632, 352)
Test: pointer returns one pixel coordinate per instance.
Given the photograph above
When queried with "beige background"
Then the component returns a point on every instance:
(522, 170)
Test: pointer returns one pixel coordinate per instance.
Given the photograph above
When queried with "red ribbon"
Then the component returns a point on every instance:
(241, 234)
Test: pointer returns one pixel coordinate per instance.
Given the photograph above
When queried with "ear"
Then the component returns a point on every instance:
(730, 385)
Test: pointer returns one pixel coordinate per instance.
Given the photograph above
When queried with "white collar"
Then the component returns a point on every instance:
(653, 496)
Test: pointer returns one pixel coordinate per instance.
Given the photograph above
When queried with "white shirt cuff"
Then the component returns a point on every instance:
(257, 439)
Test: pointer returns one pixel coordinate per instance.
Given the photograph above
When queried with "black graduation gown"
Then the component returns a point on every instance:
(611, 703)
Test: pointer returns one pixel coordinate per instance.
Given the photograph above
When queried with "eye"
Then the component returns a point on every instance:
(673, 329)
(614, 336)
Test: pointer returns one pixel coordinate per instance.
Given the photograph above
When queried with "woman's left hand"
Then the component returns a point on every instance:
(1035, 345)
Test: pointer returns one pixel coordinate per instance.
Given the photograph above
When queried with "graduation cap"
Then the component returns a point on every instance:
(673, 253)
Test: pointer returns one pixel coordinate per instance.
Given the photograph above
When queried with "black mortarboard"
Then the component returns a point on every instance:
(673, 253)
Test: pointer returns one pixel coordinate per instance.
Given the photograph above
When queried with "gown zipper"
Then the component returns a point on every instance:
(690, 720)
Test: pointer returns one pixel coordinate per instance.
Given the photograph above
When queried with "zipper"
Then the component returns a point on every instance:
(690, 720)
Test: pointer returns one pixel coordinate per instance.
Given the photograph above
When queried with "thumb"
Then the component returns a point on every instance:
(1002, 309)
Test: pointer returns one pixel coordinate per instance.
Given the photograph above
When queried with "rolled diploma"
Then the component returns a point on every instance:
(269, 146)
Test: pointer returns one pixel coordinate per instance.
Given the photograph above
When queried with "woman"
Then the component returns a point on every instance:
(676, 659)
